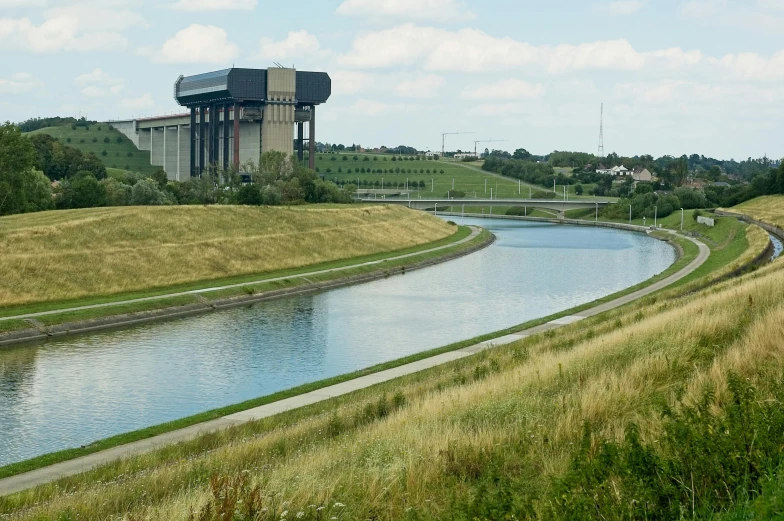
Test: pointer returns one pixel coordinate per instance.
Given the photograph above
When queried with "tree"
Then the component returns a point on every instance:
(21, 187)
(160, 177)
(117, 193)
(521, 154)
(250, 195)
(147, 193)
(578, 189)
(82, 191)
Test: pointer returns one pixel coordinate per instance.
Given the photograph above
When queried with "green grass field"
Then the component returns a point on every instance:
(121, 155)
(467, 177)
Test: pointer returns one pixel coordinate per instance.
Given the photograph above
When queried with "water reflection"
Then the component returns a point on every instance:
(70, 392)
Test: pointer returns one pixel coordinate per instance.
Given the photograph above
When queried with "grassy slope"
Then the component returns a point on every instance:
(56, 256)
(768, 209)
(117, 153)
(517, 410)
(468, 180)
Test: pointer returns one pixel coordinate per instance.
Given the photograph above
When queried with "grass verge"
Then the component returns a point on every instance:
(689, 253)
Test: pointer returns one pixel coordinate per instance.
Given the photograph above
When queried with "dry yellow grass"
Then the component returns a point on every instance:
(768, 209)
(55, 256)
(527, 409)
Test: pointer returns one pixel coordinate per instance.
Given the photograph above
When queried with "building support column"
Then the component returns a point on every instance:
(237, 137)
(177, 175)
(164, 150)
(300, 141)
(193, 142)
(312, 136)
(226, 137)
(202, 129)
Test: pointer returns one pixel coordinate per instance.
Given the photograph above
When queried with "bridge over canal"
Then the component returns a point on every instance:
(550, 205)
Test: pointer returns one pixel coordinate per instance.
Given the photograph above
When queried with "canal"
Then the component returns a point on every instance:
(70, 392)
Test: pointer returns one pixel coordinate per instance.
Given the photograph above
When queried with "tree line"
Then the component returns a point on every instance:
(39, 173)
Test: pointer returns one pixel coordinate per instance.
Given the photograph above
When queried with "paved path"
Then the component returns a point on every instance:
(76, 466)
(474, 232)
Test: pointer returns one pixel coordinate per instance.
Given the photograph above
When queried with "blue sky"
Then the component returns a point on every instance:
(686, 76)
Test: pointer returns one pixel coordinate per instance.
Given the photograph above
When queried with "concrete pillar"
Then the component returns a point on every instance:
(312, 133)
(192, 145)
(185, 151)
(171, 152)
(202, 129)
(236, 136)
(225, 158)
(156, 147)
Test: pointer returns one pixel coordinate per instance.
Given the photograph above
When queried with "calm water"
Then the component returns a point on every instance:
(70, 392)
(778, 247)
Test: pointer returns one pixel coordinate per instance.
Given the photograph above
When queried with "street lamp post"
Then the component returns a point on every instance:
(681, 219)
(655, 215)
(630, 214)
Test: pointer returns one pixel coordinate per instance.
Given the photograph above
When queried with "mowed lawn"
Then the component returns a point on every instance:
(62, 255)
(121, 154)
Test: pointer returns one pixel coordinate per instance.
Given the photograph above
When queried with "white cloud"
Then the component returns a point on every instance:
(420, 10)
(98, 76)
(622, 8)
(422, 87)
(771, 5)
(214, 5)
(472, 50)
(351, 82)
(97, 84)
(144, 101)
(20, 83)
(197, 44)
(371, 108)
(751, 66)
(73, 27)
(10, 4)
(754, 16)
(296, 45)
(505, 89)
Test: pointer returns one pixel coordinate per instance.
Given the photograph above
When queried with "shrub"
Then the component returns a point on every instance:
(81, 141)
(106, 139)
(119, 139)
(68, 140)
(129, 154)
(99, 128)
(104, 153)
(95, 140)
(73, 127)
(578, 189)
(542, 194)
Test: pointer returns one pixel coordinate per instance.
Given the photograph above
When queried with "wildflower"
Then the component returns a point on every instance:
(285, 512)
(338, 505)
(300, 515)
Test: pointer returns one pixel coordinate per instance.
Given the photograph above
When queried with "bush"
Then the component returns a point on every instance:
(455, 194)
(119, 139)
(95, 140)
(81, 141)
(249, 195)
(578, 189)
(106, 139)
(73, 127)
(68, 140)
(542, 194)
(129, 154)
(696, 214)
(99, 128)
(104, 153)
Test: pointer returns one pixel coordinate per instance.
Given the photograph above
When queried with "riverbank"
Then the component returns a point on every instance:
(41, 325)
(679, 264)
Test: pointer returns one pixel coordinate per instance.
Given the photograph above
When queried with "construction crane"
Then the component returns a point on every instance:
(488, 141)
(445, 134)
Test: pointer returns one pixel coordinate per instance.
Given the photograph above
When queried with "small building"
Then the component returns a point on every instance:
(642, 174)
(620, 170)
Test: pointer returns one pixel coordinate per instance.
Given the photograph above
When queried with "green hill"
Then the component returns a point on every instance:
(120, 151)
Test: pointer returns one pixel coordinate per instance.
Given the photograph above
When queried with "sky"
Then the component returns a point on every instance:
(675, 76)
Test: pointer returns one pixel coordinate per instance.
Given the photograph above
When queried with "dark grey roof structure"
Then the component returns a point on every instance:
(230, 85)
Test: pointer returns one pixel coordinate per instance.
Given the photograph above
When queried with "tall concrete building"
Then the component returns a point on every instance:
(235, 115)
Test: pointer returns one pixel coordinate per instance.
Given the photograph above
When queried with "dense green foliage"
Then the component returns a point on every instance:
(60, 161)
(22, 188)
(528, 171)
